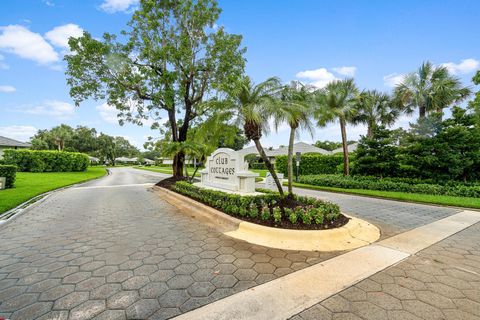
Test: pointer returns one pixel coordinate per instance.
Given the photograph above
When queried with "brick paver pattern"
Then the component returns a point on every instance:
(124, 253)
(440, 282)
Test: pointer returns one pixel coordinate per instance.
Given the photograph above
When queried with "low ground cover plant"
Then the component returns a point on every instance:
(393, 184)
(46, 160)
(9, 172)
(269, 208)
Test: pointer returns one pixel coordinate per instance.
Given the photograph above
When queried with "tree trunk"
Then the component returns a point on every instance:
(346, 164)
(370, 131)
(178, 161)
(422, 111)
(290, 162)
(269, 166)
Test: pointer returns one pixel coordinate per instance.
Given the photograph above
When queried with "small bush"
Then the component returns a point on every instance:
(46, 160)
(10, 173)
(311, 163)
(393, 184)
(266, 206)
(257, 165)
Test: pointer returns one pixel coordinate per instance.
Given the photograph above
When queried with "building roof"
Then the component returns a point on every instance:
(351, 148)
(7, 142)
(301, 147)
(125, 159)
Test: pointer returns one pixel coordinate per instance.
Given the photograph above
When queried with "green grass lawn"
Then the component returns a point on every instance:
(167, 170)
(29, 184)
(403, 196)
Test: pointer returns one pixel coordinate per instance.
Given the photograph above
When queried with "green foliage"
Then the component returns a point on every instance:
(266, 206)
(257, 166)
(393, 184)
(376, 156)
(46, 161)
(9, 172)
(329, 145)
(443, 150)
(169, 60)
(312, 163)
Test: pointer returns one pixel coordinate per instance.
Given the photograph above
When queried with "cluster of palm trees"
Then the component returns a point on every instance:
(429, 89)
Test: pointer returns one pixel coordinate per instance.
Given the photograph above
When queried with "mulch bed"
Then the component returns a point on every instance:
(284, 224)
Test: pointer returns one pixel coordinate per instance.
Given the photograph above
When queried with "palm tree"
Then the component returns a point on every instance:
(254, 104)
(430, 89)
(337, 101)
(294, 109)
(375, 108)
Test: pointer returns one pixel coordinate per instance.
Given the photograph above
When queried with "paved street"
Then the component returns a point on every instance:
(440, 282)
(392, 217)
(112, 249)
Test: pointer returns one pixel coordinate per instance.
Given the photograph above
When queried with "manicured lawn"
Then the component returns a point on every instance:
(403, 196)
(167, 170)
(262, 172)
(29, 184)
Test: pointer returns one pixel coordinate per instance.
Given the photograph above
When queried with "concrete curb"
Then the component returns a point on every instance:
(356, 233)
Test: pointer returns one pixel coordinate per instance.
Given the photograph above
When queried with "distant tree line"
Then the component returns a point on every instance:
(86, 140)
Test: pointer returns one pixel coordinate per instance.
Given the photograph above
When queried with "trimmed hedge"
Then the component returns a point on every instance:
(312, 163)
(264, 207)
(392, 184)
(257, 166)
(10, 173)
(46, 160)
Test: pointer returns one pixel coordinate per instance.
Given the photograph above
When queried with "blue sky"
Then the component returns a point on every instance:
(310, 40)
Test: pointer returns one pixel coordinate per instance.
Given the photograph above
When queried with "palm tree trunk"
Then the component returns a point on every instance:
(268, 164)
(422, 111)
(290, 161)
(346, 164)
(370, 130)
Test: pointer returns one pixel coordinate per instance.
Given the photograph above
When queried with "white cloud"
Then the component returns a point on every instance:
(393, 79)
(112, 6)
(108, 113)
(465, 66)
(7, 89)
(49, 3)
(26, 44)
(59, 36)
(319, 77)
(346, 71)
(21, 133)
(53, 108)
(3, 65)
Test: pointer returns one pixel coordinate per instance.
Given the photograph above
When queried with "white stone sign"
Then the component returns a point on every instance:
(226, 169)
(270, 182)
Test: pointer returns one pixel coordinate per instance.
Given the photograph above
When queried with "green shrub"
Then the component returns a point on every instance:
(311, 163)
(10, 173)
(393, 184)
(257, 165)
(266, 206)
(46, 160)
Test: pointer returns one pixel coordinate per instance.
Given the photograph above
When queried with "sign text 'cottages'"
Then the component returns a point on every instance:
(226, 169)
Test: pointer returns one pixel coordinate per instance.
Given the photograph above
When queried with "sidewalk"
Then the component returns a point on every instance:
(440, 282)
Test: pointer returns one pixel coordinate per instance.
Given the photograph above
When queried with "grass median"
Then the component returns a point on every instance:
(402, 196)
(31, 184)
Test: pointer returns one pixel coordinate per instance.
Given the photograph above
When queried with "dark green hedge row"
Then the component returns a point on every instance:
(265, 206)
(10, 173)
(257, 166)
(391, 184)
(311, 163)
(46, 160)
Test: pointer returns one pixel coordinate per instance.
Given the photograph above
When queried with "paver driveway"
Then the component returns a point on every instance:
(112, 249)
